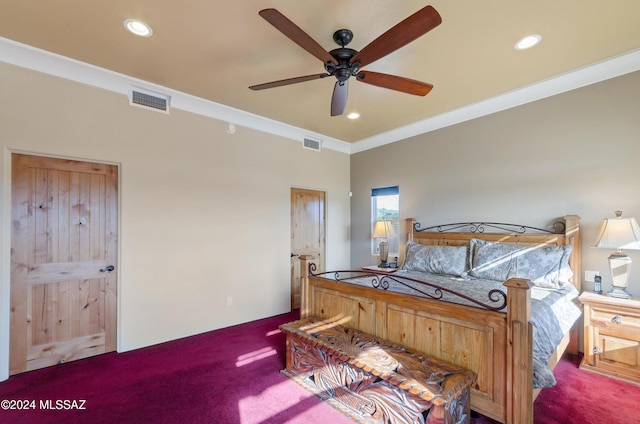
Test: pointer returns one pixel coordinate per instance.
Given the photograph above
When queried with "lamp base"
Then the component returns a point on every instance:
(619, 267)
(384, 253)
(619, 292)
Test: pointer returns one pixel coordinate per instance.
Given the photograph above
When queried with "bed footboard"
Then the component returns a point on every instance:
(496, 346)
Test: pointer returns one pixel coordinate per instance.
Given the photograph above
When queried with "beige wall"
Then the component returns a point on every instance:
(574, 153)
(204, 215)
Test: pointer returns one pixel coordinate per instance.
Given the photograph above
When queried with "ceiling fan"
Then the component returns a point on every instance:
(344, 62)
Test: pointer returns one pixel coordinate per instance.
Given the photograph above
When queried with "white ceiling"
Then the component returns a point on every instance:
(214, 50)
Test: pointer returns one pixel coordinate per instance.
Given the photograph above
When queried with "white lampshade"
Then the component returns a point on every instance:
(383, 229)
(619, 233)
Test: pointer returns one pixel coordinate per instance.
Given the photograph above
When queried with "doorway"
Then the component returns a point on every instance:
(307, 234)
(64, 249)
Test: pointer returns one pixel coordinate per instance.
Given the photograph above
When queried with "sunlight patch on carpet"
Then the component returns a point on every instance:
(256, 355)
(280, 403)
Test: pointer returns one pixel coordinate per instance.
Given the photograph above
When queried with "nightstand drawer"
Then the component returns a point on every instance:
(614, 318)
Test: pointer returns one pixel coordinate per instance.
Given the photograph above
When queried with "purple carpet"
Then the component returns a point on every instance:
(225, 376)
(232, 376)
(581, 397)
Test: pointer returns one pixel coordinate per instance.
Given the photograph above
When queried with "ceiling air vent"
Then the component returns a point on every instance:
(149, 100)
(312, 144)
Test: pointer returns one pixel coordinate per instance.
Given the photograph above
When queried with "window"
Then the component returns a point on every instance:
(385, 206)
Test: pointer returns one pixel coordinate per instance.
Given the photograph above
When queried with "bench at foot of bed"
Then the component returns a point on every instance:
(371, 380)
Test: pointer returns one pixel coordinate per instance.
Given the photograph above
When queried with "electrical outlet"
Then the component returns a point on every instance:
(590, 276)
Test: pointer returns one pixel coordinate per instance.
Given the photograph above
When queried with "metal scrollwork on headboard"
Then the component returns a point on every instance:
(559, 227)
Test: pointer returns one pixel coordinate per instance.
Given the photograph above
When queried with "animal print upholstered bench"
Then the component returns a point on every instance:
(374, 381)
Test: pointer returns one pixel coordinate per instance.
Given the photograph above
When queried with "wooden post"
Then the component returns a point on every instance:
(572, 232)
(519, 352)
(410, 222)
(305, 304)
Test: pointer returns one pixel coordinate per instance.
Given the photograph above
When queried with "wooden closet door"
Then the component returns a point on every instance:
(307, 234)
(63, 258)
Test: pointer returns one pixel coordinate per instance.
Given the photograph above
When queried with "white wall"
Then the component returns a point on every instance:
(574, 153)
(204, 215)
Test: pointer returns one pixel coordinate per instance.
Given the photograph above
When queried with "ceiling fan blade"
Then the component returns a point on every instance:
(287, 81)
(394, 82)
(415, 26)
(339, 98)
(297, 35)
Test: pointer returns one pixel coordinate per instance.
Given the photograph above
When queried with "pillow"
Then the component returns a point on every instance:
(447, 260)
(544, 266)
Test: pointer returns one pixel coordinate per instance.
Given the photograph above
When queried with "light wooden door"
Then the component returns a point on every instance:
(307, 234)
(63, 257)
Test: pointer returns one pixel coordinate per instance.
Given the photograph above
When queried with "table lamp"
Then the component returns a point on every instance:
(619, 233)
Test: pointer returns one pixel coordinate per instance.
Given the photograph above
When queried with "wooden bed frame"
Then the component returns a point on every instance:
(497, 346)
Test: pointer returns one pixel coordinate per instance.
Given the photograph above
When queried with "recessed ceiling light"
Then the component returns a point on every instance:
(528, 41)
(353, 115)
(138, 28)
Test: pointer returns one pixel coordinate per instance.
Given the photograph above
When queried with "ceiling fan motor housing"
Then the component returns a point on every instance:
(344, 69)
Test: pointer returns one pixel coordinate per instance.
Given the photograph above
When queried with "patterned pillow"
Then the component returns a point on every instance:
(447, 260)
(544, 266)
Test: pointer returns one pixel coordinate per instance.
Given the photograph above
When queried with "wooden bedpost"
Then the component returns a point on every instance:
(572, 231)
(305, 260)
(410, 222)
(572, 234)
(519, 352)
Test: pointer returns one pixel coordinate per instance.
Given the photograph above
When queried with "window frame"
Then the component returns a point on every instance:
(394, 242)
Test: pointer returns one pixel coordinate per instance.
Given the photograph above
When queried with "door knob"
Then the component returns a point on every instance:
(108, 268)
(294, 254)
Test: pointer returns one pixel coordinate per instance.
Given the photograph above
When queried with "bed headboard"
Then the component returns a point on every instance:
(563, 231)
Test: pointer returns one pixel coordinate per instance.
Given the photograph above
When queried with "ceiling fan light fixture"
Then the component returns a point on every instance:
(353, 115)
(138, 27)
(528, 42)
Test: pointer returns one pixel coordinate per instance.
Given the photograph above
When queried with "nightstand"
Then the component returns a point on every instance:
(376, 268)
(611, 336)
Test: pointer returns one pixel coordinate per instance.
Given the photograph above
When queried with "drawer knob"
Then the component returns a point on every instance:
(616, 319)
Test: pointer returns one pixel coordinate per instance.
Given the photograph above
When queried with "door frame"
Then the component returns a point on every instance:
(5, 249)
